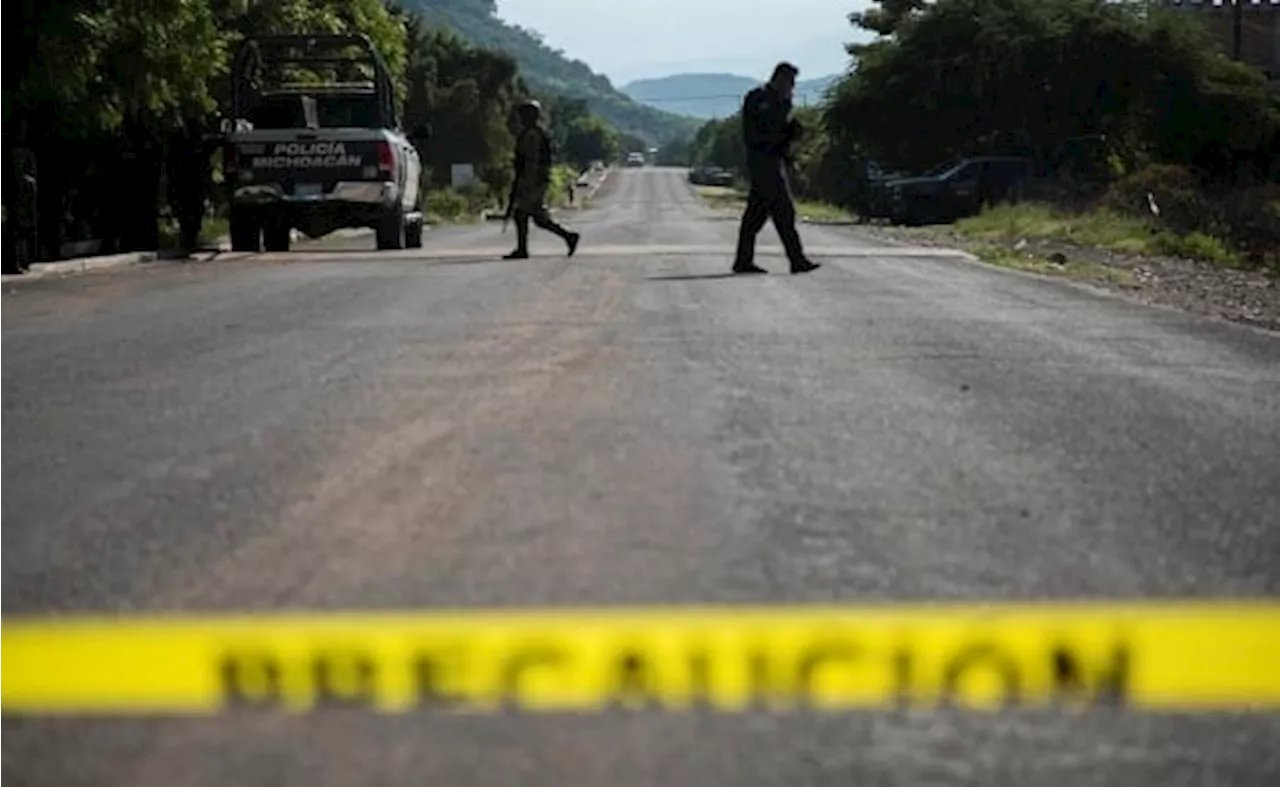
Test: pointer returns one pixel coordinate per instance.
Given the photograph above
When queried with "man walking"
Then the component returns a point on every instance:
(768, 130)
(532, 179)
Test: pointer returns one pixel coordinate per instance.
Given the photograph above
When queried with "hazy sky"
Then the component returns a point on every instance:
(634, 39)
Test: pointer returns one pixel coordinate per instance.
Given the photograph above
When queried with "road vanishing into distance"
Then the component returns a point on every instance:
(339, 428)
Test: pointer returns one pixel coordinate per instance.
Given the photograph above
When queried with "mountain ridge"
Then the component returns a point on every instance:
(708, 95)
(550, 70)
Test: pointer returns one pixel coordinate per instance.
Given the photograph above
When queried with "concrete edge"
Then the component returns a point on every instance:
(42, 270)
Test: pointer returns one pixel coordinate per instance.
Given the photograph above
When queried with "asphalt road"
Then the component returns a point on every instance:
(338, 428)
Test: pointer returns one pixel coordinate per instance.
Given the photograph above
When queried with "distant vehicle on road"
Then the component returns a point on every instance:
(317, 157)
(635, 159)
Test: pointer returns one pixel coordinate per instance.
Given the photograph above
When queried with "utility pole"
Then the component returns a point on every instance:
(1237, 28)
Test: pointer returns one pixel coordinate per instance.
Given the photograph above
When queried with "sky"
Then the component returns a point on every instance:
(639, 39)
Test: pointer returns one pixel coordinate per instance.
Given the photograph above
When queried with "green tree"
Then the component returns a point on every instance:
(632, 143)
(887, 17)
(719, 143)
(589, 139)
(972, 76)
(677, 152)
(459, 102)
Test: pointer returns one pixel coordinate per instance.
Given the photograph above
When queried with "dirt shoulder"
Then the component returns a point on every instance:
(1251, 298)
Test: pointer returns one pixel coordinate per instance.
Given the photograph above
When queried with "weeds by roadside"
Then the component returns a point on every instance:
(468, 204)
(1100, 228)
(1054, 265)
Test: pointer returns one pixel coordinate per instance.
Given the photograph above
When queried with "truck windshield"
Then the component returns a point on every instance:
(274, 112)
(348, 111)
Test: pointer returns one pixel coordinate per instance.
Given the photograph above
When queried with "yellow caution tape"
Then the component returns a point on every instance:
(1154, 656)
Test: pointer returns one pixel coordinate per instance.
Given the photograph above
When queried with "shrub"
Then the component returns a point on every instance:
(1213, 220)
(1196, 246)
(1177, 193)
(446, 204)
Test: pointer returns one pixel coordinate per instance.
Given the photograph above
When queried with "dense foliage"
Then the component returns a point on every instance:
(965, 77)
(118, 101)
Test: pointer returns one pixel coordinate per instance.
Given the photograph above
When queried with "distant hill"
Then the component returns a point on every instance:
(713, 95)
(550, 70)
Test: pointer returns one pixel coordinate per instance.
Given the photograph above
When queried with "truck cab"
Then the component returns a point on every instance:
(316, 155)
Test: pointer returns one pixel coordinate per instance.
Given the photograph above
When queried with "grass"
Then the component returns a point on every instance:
(722, 197)
(562, 175)
(725, 198)
(1005, 257)
(449, 206)
(1097, 228)
(214, 229)
(468, 205)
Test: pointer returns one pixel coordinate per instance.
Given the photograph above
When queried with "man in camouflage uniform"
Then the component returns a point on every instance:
(768, 131)
(532, 179)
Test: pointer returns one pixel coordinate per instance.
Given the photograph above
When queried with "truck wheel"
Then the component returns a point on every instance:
(246, 235)
(413, 235)
(391, 231)
(275, 236)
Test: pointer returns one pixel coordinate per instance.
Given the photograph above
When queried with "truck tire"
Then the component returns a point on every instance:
(246, 234)
(391, 231)
(275, 235)
(413, 235)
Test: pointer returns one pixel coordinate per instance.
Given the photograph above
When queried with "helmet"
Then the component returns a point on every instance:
(529, 111)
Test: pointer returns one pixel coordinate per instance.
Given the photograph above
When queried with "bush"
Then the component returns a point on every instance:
(1213, 220)
(562, 175)
(477, 195)
(446, 204)
(1252, 223)
(1196, 246)
(1178, 195)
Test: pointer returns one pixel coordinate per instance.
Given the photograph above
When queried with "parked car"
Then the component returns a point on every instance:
(958, 189)
(711, 176)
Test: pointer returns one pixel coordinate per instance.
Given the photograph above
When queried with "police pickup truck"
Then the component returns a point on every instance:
(313, 154)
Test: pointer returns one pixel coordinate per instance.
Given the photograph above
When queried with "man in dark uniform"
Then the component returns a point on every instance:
(768, 130)
(532, 179)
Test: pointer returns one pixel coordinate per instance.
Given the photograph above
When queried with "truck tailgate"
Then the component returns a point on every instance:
(310, 163)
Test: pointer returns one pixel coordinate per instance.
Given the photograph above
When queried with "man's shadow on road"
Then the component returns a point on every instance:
(698, 277)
